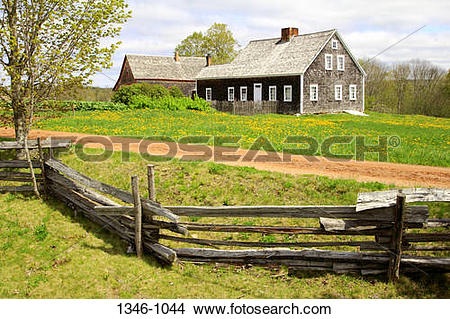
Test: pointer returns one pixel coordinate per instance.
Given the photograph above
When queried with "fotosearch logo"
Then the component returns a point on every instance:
(224, 149)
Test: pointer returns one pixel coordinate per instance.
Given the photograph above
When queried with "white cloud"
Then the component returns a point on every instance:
(367, 27)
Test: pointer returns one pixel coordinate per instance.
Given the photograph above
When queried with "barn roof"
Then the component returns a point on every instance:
(164, 67)
(271, 57)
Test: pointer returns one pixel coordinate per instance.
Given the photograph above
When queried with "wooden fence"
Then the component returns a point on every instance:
(246, 107)
(391, 225)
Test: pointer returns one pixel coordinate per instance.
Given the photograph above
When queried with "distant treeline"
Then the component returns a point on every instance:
(86, 93)
(414, 87)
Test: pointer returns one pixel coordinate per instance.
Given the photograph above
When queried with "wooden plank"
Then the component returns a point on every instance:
(372, 200)
(373, 263)
(339, 225)
(68, 183)
(414, 214)
(14, 176)
(426, 237)
(291, 230)
(138, 215)
(307, 254)
(148, 206)
(427, 248)
(32, 144)
(161, 252)
(213, 243)
(151, 182)
(18, 164)
(397, 235)
(436, 223)
(78, 202)
(115, 210)
(16, 189)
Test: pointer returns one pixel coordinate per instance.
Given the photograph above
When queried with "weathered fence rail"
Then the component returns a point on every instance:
(379, 225)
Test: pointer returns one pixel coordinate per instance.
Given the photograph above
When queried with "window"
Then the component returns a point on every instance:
(288, 93)
(340, 62)
(334, 44)
(313, 92)
(328, 62)
(352, 92)
(208, 94)
(272, 93)
(243, 93)
(338, 92)
(231, 94)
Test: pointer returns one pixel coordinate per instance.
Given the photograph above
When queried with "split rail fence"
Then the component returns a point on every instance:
(392, 226)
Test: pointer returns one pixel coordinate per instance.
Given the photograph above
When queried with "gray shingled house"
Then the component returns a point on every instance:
(164, 70)
(306, 73)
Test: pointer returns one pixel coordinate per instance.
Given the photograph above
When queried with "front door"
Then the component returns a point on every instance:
(257, 92)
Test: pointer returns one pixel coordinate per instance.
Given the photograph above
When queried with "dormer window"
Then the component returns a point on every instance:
(334, 44)
(328, 62)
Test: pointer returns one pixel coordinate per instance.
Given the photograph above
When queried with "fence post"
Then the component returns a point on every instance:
(42, 161)
(137, 215)
(396, 242)
(151, 182)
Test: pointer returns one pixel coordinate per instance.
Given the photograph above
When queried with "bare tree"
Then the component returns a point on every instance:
(400, 75)
(426, 79)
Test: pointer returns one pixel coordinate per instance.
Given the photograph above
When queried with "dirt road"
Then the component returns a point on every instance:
(387, 173)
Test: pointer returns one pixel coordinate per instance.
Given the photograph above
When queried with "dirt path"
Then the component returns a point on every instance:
(387, 173)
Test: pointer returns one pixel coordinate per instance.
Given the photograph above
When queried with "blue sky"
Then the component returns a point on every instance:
(368, 27)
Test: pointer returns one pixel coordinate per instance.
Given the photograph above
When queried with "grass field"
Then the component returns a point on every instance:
(47, 252)
(424, 140)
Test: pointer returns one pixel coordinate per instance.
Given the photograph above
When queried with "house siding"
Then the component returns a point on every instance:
(327, 79)
(220, 90)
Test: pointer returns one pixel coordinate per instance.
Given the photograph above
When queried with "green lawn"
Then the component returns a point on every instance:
(47, 252)
(424, 140)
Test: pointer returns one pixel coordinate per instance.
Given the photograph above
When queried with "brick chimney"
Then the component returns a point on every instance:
(288, 33)
(177, 57)
(208, 60)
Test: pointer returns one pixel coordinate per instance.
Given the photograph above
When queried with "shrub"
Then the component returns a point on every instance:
(154, 91)
(125, 93)
(175, 91)
(169, 103)
(80, 106)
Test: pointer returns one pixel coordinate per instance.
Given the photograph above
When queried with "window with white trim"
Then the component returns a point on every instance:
(287, 93)
(328, 62)
(313, 92)
(334, 44)
(231, 94)
(272, 93)
(243, 93)
(338, 92)
(352, 92)
(340, 62)
(208, 94)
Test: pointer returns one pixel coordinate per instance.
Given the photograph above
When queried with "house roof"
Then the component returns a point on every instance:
(164, 67)
(271, 57)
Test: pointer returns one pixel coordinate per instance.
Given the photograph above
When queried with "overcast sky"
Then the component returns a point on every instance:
(156, 27)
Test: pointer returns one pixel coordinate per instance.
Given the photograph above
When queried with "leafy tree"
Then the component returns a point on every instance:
(193, 45)
(217, 41)
(47, 46)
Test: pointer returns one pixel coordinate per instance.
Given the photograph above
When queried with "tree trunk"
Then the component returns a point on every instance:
(20, 126)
